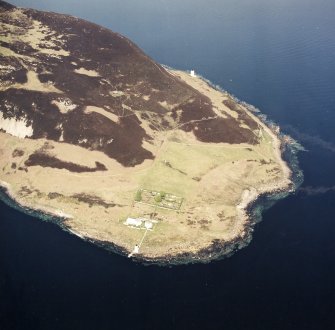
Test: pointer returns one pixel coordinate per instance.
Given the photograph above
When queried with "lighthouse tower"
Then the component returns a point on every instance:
(192, 73)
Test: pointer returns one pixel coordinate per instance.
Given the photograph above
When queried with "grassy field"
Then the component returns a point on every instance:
(134, 140)
(209, 179)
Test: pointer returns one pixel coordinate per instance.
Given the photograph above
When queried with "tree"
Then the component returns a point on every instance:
(163, 194)
(138, 196)
(158, 198)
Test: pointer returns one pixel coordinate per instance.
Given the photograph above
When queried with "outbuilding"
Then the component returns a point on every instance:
(133, 222)
(148, 224)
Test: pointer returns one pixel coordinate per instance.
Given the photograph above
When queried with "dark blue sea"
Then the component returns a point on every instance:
(276, 55)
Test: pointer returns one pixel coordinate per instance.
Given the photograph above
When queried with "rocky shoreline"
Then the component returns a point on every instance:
(131, 121)
(217, 248)
(251, 199)
(215, 251)
(222, 249)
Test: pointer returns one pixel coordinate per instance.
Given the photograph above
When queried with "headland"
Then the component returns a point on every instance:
(150, 162)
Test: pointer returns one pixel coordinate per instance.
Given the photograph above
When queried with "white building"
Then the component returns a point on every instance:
(136, 249)
(192, 73)
(133, 222)
(148, 224)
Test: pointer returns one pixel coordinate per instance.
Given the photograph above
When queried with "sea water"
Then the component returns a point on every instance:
(276, 55)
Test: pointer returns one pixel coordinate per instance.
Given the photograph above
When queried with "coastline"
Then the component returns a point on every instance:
(249, 196)
(249, 200)
(251, 206)
(38, 211)
(216, 249)
(38, 208)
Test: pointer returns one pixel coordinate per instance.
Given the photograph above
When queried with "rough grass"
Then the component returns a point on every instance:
(209, 177)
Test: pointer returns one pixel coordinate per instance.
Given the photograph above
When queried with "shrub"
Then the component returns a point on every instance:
(138, 196)
(163, 194)
(158, 198)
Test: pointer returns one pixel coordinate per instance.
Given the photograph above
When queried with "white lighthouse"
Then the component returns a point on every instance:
(192, 73)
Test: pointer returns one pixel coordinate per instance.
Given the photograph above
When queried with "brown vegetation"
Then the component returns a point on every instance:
(42, 159)
(88, 65)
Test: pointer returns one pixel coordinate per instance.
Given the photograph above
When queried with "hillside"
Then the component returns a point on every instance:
(57, 68)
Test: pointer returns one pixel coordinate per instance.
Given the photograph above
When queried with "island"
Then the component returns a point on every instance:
(150, 162)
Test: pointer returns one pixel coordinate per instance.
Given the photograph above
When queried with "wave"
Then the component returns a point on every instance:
(312, 139)
(319, 190)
